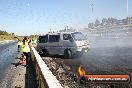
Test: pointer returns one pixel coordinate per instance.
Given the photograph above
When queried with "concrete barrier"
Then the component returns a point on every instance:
(44, 77)
(6, 41)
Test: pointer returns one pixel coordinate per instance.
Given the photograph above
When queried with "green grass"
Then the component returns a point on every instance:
(7, 37)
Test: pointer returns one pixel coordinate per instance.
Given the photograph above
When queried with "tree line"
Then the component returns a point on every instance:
(110, 22)
(105, 22)
(3, 32)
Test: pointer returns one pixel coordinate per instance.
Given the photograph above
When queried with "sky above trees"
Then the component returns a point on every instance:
(26, 17)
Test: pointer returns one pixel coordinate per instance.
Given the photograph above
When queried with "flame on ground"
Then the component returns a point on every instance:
(81, 71)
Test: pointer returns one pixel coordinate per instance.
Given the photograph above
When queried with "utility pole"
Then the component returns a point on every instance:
(67, 29)
(92, 8)
(127, 8)
(50, 30)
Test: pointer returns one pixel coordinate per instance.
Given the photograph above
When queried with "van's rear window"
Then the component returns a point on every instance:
(43, 39)
(54, 38)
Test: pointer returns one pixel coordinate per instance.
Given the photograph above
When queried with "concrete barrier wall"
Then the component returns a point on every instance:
(44, 77)
(6, 41)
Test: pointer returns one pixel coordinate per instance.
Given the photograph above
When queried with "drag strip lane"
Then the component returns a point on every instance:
(8, 52)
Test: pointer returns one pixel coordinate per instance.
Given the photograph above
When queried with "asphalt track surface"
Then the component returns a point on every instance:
(8, 53)
(12, 74)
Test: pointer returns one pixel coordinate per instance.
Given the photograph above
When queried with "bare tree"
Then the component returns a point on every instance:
(97, 23)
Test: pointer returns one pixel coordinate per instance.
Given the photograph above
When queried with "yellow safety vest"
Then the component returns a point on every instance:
(26, 48)
(34, 42)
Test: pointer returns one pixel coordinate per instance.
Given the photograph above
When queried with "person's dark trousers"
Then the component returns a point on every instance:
(18, 48)
(27, 54)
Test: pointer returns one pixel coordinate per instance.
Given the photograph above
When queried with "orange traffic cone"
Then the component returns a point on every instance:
(22, 59)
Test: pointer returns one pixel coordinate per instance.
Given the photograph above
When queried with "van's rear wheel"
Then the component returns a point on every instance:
(45, 53)
(67, 54)
(40, 53)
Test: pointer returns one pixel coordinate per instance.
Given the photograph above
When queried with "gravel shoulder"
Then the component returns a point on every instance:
(18, 76)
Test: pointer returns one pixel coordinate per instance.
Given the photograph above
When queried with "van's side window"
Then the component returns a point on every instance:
(43, 39)
(67, 37)
(54, 38)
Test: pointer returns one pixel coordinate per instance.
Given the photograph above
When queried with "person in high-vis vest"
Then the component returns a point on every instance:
(34, 42)
(26, 44)
(19, 45)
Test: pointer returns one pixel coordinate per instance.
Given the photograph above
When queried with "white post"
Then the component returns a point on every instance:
(127, 8)
(92, 9)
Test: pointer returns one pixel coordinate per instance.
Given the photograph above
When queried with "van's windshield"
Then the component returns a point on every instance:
(78, 36)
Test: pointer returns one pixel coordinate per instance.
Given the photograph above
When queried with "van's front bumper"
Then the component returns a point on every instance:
(85, 50)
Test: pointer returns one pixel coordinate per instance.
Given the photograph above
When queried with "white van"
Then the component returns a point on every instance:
(63, 43)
